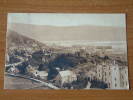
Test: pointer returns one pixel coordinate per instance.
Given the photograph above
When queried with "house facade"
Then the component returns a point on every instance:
(66, 76)
(115, 76)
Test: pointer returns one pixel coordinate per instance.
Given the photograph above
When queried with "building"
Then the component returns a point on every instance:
(40, 74)
(91, 75)
(32, 71)
(124, 78)
(110, 74)
(99, 72)
(106, 74)
(65, 77)
(13, 70)
(116, 77)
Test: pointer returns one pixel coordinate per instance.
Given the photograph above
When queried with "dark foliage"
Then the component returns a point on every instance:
(65, 61)
(22, 67)
(98, 84)
(43, 67)
(36, 59)
(37, 55)
(19, 53)
(80, 83)
(67, 85)
(13, 59)
(52, 73)
(7, 68)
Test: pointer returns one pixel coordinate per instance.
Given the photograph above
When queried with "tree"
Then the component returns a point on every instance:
(22, 67)
(65, 61)
(52, 73)
(98, 84)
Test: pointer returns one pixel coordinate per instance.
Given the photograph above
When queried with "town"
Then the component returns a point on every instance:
(74, 67)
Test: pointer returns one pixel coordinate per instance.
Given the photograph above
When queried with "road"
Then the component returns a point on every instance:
(18, 79)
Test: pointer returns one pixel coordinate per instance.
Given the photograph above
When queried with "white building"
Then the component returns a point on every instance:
(40, 74)
(124, 78)
(91, 75)
(99, 72)
(112, 74)
(106, 74)
(115, 77)
(35, 73)
(13, 70)
(66, 77)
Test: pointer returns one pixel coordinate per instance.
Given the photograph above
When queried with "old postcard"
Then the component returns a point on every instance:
(66, 51)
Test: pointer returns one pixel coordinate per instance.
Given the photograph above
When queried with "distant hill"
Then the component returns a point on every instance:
(55, 33)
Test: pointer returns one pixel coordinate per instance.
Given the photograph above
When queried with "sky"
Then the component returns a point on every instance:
(68, 19)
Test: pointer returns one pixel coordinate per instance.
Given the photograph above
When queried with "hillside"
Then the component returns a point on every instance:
(16, 40)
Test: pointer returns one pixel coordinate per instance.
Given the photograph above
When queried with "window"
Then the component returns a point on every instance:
(126, 83)
(115, 78)
(115, 85)
(122, 77)
(105, 79)
(109, 84)
(125, 71)
(123, 83)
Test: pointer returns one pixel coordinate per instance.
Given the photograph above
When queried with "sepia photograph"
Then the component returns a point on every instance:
(66, 51)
